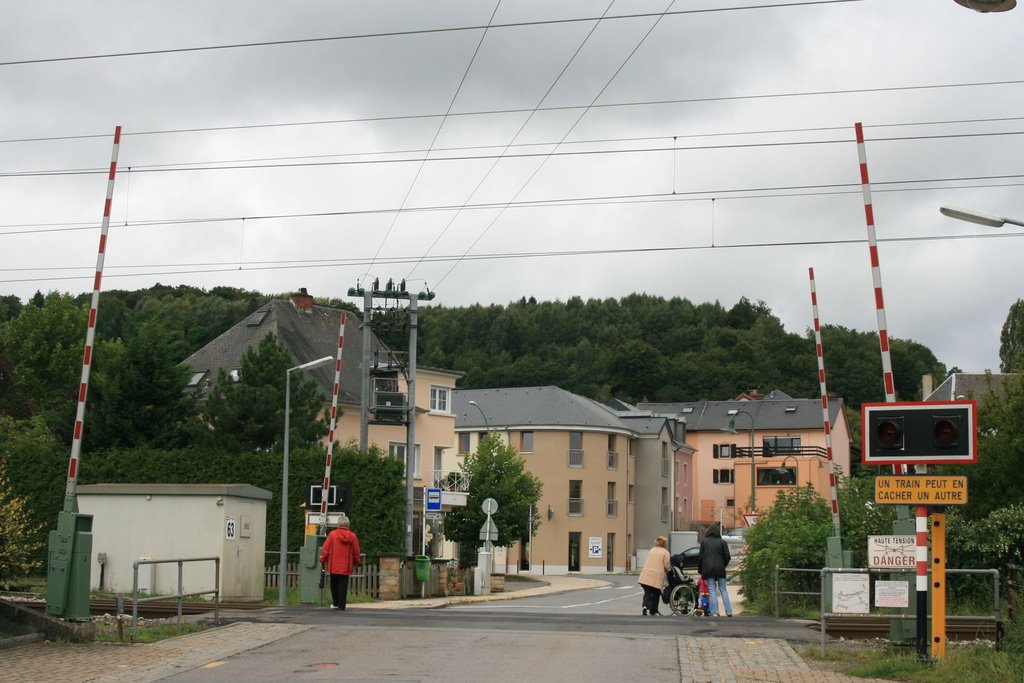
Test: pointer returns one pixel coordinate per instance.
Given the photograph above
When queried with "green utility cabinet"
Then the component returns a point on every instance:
(309, 569)
(68, 564)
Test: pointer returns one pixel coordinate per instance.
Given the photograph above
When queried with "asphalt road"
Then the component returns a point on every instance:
(593, 634)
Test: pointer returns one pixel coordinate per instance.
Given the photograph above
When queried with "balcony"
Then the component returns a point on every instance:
(575, 507)
(665, 513)
(613, 508)
(577, 457)
(457, 482)
(775, 451)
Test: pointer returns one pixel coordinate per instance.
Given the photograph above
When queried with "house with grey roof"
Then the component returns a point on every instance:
(780, 442)
(309, 332)
(960, 386)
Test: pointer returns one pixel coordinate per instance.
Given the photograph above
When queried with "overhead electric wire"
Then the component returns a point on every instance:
(776, 192)
(522, 127)
(489, 112)
(234, 266)
(396, 34)
(437, 133)
(484, 157)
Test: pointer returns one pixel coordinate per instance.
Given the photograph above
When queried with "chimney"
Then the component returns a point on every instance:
(302, 301)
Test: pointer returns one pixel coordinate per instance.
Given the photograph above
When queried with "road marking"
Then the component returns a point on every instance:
(212, 665)
(601, 602)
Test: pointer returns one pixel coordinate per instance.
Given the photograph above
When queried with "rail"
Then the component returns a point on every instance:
(180, 595)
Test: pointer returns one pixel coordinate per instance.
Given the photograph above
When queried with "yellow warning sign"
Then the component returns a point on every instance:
(921, 489)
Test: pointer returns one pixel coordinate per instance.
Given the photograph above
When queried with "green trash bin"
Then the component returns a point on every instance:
(422, 568)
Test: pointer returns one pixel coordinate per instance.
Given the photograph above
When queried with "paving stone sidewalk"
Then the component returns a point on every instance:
(750, 660)
(121, 663)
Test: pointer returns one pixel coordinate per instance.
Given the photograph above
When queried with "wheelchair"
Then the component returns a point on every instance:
(683, 600)
(682, 593)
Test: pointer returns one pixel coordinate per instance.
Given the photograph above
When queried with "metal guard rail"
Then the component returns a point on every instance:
(180, 595)
(994, 573)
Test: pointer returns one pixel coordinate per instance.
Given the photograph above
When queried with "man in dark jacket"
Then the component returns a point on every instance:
(712, 559)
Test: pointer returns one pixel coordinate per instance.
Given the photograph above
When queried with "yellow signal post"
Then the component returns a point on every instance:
(939, 585)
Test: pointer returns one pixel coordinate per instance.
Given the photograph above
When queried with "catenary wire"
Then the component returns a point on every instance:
(437, 134)
(396, 34)
(484, 157)
(234, 266)
(487, 112)
(776, 192)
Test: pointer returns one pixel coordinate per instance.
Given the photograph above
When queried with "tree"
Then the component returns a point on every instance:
(995, 480)
(35, 463)
(791, 534)
(44, 345)
(138, 396)
(248, 414)
(18, 538)
(1011, 339)
(496, 471)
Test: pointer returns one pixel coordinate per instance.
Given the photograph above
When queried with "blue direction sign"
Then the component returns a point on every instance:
(433, 500)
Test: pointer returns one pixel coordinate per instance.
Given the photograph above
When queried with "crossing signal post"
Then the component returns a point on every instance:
(923, 433)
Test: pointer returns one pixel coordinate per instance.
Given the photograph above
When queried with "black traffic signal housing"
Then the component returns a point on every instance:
(927, 432)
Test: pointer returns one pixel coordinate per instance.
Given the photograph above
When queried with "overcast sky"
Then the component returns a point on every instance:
(706, 153)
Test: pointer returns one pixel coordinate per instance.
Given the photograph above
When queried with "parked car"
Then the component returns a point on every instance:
(689, 559)
(737, 543)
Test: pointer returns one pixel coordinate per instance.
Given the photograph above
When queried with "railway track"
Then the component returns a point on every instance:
(156, 609)
(856, 627)
(849, 627)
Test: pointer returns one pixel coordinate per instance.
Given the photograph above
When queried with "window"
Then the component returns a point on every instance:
(686, 472)
(772, 476)
(575, 497)
(722, 450)
(613, 452)
(722, 476)
(613, 504)
(439, 399)
(464, 443)
(525, 442)
(196, 378)
(730, 502)
(664, 460)
(777, 445)
(576, 453)
(397, 451)
(438, 464)
(664, 504)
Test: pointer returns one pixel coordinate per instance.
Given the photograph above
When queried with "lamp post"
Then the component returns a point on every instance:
(988, 5)
(487, 426)
(781, 469)
(731, 429)
(980, 217)
(282, 569)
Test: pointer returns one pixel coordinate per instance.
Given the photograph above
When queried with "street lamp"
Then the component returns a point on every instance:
(781, 469)
(282, 569)
(731, 429)
(988, 5)
(486, 425)
(981, 218)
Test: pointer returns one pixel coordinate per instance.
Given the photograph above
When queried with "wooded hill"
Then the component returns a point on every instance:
(635, 348)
